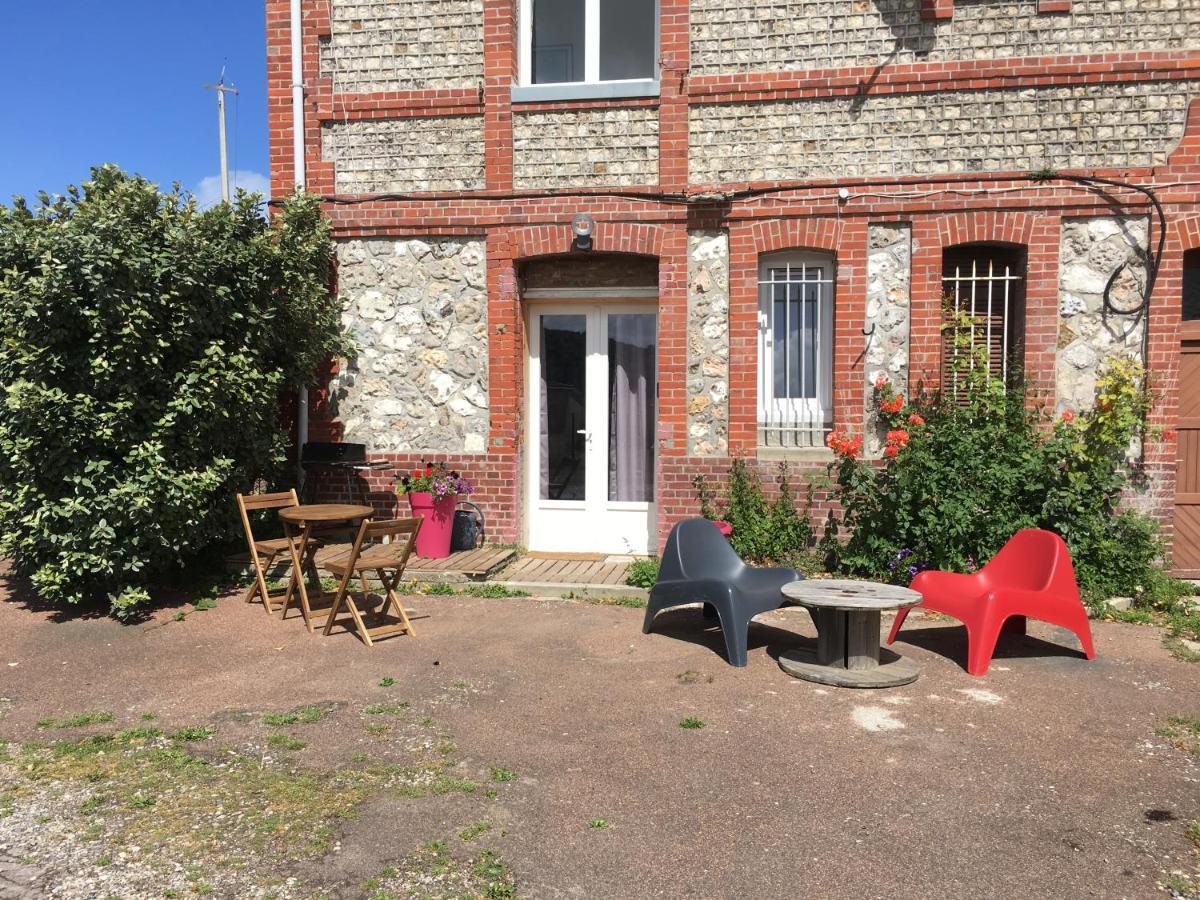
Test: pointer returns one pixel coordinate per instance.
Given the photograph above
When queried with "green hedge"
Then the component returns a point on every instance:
(145, 347)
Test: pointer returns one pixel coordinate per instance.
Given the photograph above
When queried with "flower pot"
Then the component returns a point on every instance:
(433, 538)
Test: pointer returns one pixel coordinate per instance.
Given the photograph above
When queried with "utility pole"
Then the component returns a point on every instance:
(222, 90)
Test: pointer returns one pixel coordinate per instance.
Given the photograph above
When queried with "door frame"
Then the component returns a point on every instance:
(571, 303)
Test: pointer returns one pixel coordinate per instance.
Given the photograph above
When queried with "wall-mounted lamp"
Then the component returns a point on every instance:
(583, 227)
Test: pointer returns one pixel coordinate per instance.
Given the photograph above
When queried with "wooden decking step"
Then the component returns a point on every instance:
(566, 569)
(472, 564)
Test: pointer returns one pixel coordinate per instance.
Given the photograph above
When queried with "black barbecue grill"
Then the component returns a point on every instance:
(319, 457)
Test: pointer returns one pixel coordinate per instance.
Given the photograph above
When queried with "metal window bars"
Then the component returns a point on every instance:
(992, 283)
(795, 358)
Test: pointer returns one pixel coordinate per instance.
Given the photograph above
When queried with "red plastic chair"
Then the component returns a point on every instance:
(1031, 577)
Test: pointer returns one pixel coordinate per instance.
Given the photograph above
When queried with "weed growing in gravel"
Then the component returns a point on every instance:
(599, 823)
(308, 715)
(627, 602)
(79, 720)
(189, 733)
(387, 681)
(283, 741)
(1183, 732)
(1193, 833)
(148, 716)
(386, 709)
(493, 590)
(499, 774)
(691, 722)
(475, 830)
(438, 589)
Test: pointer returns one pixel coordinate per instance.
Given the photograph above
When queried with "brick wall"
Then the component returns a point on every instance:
(1081, 127)
(779, 35)
(586, 147)
(813, 100)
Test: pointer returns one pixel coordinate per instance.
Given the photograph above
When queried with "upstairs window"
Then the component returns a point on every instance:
(575, 48)
(795, 349)
(983, 287)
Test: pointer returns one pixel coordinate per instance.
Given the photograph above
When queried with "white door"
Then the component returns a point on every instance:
(592, 413)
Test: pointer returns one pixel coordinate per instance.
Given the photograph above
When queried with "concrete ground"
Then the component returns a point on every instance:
(1044, 778)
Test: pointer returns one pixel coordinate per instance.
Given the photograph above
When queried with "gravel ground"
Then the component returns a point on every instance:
(533, 748)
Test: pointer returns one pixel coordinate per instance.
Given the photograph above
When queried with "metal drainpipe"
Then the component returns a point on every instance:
(300, 180)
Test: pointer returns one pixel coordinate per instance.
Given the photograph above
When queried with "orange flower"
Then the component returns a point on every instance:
(891, 451)
(1169, 435)
(844, 445)
(1068, 415)
(894, 405)
(916, 420)
(898, 437)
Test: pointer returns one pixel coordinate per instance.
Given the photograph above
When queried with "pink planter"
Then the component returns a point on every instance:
(433, 538)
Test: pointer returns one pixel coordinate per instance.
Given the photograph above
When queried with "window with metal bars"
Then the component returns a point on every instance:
(795, 349)
(983, 288)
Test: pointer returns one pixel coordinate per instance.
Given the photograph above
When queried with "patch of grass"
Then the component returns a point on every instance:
(8, 803)
(386, 709)
(79, 720)
(499, 774)
(91, 804)
(387, 681)
(282, 741)
(1193, 833)
(205, 603)
(191, 733)
(306, 716)
(599, 823)
(378, 729)
(693, 677)
(438, 589)
(627, 602)
(691, 722)
(1183, 732)
(179, 616)
(104, 860)
(492, 590)
(474, 830)
(140, 733)
(496, 875)
(148, 716)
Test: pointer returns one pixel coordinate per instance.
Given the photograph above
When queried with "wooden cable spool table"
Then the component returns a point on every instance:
(298, 525)
(848, 653)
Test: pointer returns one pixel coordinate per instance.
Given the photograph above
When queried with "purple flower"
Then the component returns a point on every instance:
(913, 570)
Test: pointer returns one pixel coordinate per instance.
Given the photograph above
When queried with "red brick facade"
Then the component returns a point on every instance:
(943, 211)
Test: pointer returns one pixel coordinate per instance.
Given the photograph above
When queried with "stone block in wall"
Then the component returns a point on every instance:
(708, 343)
(400, 46)
(1103, 126)
(772, 35)
(417, 312)
(889, 292)
(379, 156)
(612, 146)
(1092, 250)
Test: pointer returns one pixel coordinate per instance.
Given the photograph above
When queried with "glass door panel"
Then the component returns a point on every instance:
(563, 389)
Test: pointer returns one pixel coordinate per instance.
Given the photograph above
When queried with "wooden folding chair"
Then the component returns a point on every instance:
(264, 553)
(388, 561)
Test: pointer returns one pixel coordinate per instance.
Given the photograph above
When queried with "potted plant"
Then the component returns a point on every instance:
(433, 493)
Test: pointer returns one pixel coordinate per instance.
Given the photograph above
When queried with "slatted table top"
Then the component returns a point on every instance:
(840, 593)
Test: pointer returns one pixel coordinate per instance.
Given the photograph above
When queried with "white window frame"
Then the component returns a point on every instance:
(591, 87)
(797, 422)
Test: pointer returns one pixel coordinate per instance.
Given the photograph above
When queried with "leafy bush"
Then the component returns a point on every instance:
(958, 479)
(642, 573)
(144, 350)
(763, 532)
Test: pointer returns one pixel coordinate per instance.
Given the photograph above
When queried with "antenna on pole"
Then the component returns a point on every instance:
(222, 90)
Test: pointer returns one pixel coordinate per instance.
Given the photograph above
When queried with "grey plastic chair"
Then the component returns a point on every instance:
(698, 565)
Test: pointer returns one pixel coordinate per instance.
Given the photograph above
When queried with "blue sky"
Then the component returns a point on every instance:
(121, 81)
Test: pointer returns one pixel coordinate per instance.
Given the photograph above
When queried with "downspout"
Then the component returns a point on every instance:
(300, 181)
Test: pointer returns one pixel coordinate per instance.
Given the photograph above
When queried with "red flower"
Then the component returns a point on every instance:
(891, 451)
(894, 405)
(428, 468)
(1068, 416)
(898, 437)
(844, 445)
(916, 420)
(1170, 435)
(417, 473)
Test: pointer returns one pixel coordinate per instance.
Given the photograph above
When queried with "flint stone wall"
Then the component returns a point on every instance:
(586, 147)
(708, 343)
(402, 45)
(434, 153)
(889, 292)
(1085, 126)
(1092, 250)
(417, 311)
(767, 35)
